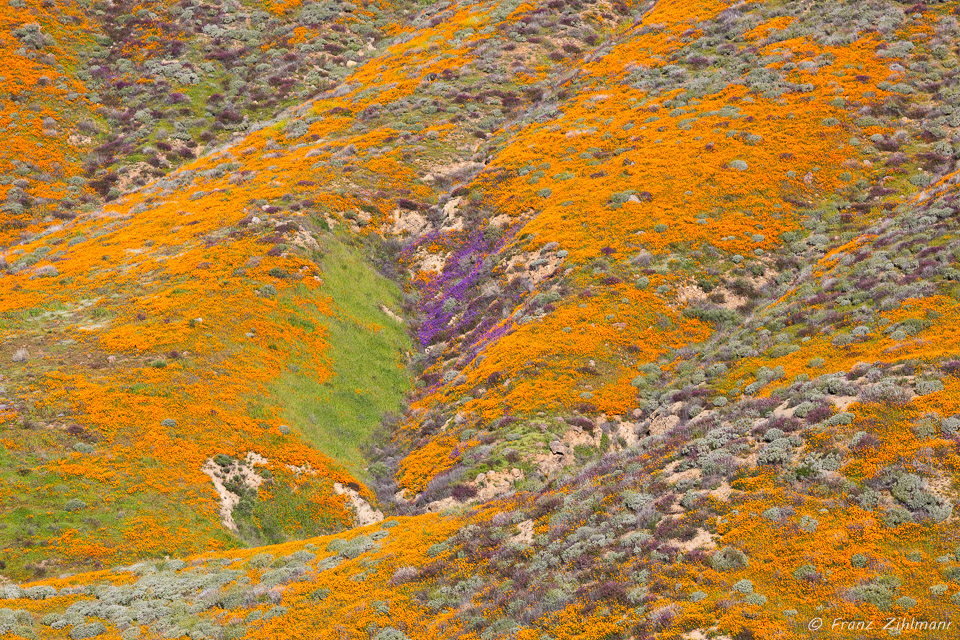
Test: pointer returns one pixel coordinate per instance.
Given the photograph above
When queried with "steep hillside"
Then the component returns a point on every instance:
(165, 347)
(551, 320)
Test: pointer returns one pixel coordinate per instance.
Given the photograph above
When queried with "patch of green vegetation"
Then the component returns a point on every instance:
(9, 319)
(369, 377)
(41, 506)
(257, 411)
(144, 389)
(285, 514)
(584, 453)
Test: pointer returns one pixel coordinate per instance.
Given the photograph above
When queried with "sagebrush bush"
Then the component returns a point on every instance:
(74, 504)
(729, 559)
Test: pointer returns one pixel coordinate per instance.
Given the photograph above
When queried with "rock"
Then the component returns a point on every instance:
(557, 448)
(111, 359)
(437, 506)
(242, 470)
(365, 513)
(661, 424)
(20, 355)
(389, 312)
(450, 208)
(628, 432)
(524, 533)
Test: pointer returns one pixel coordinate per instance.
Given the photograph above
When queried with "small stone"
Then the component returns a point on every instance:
(21, 355)
(663, 424)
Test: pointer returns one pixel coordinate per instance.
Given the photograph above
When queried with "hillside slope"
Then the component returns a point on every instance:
(655, 304)
(172, 349)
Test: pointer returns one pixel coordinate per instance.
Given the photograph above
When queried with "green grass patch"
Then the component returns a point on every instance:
(285, 514)
(369, 374)
(40, 506)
